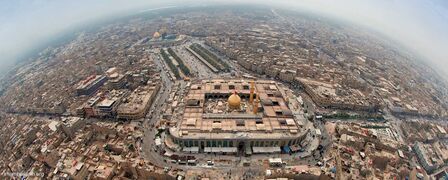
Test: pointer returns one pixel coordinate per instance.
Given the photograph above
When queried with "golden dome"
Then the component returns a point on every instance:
(156, 35)
(234, 101)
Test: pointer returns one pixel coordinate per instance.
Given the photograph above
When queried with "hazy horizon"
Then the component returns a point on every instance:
(420, 26)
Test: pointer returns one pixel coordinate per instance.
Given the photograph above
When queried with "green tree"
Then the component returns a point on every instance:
(170, 64)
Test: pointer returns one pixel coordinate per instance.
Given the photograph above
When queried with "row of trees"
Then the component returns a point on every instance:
(210, 57)
(182, 66)
(343, 115)
(224, 64)
(168, 61)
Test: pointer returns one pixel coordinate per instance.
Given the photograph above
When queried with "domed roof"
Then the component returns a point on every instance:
(234, 101)
(156, 35)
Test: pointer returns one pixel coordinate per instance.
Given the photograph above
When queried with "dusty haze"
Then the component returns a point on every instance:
(421, 26)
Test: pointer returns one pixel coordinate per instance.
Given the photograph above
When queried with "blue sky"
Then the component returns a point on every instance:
(420, 25)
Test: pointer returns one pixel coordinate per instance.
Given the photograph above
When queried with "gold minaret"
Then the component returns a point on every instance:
(255, 105)
(252, 89)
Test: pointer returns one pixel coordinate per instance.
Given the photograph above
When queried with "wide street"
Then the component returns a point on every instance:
(154, 115)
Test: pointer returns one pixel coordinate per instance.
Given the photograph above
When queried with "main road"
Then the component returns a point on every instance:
(154, 115)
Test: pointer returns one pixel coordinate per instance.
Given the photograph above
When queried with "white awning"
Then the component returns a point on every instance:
(266, 149)
(191, 149)
(158, 141)
(168, 154)
(221, 149)
(318, 132)
(275, 160)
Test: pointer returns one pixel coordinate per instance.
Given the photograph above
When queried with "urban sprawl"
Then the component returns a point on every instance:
(224, 93)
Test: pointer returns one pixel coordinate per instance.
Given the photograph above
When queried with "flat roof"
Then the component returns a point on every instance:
(137, 100)
(106, 103)
(274, 119)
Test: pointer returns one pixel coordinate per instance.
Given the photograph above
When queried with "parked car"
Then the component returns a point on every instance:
(210, 163)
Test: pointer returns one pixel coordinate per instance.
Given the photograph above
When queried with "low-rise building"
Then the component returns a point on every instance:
(71, 124)
(431, 156)
(90, 85)
(136, 105)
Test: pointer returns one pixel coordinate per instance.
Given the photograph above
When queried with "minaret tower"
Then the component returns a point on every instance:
(255, 105)
(252, 89)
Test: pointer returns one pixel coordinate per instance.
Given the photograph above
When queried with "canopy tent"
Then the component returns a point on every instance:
(266, 150)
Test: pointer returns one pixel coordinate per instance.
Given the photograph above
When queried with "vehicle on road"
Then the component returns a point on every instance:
(210, 163)
(192, 162)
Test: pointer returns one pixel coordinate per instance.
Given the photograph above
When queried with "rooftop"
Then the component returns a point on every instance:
(206, 110)
(137, 100)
